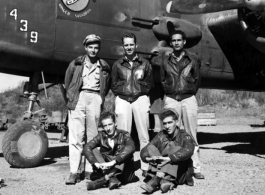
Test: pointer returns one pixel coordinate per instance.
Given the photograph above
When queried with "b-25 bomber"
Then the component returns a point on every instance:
(39, 39)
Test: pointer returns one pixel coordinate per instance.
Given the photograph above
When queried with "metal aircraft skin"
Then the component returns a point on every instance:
(39, 35)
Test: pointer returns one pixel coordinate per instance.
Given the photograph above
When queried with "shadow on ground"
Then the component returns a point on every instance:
(57, 152)
(53, 153)
(253, 143)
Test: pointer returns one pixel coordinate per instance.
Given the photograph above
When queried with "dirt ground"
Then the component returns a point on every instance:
(233, 156)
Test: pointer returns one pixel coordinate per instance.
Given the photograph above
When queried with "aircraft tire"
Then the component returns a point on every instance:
(25, 144)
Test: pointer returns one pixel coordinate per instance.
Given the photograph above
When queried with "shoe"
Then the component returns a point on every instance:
(147, 176)
(167, 184)
(93, 185)
(190, 182)
(151, 185)
(114, 183)
(198, 175)
(73, 179)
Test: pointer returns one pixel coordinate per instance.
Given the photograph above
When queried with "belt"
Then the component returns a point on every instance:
(91, 91)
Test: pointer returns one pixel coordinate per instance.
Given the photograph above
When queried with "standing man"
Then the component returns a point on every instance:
(169, 156)
(131, 82)
(180, 77)
(87, 82)
(111, 153)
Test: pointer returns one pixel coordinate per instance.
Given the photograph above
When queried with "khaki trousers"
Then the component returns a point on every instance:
(83, 127)
(188, 111)
(140, 111)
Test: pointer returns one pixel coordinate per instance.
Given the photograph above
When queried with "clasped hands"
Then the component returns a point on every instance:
(158, 161)
(105, 165)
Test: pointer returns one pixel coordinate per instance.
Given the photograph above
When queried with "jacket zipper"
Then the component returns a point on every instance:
(132, 80)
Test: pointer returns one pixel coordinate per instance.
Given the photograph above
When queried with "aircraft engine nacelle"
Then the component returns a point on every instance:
(167, 25)
(253, 26)
(255, 5)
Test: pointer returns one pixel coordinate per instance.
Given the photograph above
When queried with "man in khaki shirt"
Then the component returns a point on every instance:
(87, 83)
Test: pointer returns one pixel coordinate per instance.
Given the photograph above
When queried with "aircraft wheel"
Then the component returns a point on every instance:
(25, 144)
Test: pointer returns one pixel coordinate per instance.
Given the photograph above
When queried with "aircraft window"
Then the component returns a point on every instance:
(34, 37)
(25, 25)
(14, 13)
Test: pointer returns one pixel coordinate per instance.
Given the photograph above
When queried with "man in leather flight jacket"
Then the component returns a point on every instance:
(131, 81)
(169, 156)
(87, 82)
(180, 77)
(113, 162)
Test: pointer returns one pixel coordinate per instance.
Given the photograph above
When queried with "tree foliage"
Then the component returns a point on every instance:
(12, 104)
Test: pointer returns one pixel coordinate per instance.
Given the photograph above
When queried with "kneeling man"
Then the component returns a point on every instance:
(113, 162)
(169, 156)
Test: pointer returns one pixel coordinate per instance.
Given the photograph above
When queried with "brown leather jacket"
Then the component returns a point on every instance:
(131, 82)
(74, 80)
(181, 79)
(180, 138)
(123, 147)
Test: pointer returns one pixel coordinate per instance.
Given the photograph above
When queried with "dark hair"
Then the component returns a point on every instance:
(128, 35)
(180, 32)
(166, 113)
(106, 115)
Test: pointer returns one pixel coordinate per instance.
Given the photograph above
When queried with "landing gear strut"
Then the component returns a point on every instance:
(25, 143)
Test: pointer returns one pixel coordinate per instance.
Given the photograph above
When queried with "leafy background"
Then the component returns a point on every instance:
(224, 102)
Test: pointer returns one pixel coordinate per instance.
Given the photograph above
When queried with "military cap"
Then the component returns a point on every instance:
(161, 113)
(91, 38)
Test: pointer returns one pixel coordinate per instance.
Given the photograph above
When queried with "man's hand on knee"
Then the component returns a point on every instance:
(162, 161)
(152, 160)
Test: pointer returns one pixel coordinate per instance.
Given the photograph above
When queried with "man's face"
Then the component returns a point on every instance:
(92, 49)
(109, 126)
(129, 46)
(177, 42)
(170, 125)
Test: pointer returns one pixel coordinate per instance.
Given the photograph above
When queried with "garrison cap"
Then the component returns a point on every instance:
(160, 114)
(91, 38)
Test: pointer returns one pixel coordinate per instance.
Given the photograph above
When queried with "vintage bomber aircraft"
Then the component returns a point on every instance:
(39, 38)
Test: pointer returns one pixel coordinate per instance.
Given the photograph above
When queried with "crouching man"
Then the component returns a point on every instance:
(112, 162)
(169, 156)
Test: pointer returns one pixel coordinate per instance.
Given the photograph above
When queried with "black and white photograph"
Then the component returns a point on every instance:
(124, 97)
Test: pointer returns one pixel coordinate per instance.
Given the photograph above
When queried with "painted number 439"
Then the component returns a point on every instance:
(24, 27)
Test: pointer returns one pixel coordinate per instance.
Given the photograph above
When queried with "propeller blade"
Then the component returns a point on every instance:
(203, 6)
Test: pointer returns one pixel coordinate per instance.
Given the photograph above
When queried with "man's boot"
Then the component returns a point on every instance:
(148, 177)
(73, 179)
(114, 183)
(198, 175)
(99, 183)
(167, 184)
(151, 185)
